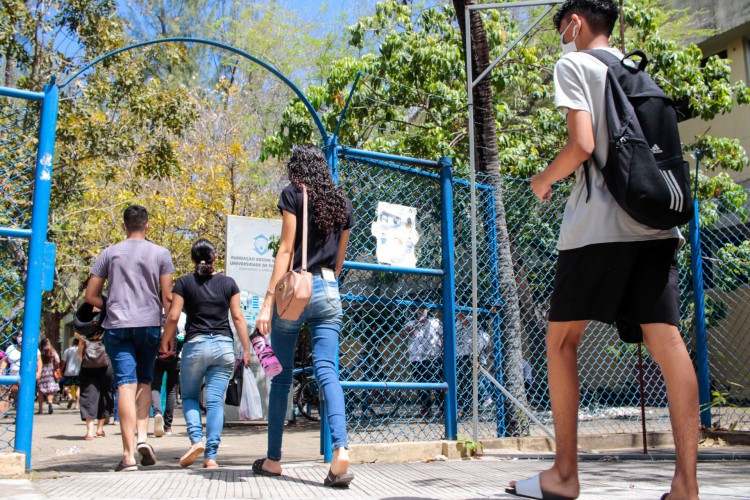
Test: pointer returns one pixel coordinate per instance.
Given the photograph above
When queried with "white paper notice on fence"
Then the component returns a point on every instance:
(250, 260)
(395, 229)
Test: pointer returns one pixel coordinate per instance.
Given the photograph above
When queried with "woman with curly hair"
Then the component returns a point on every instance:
(329, 218)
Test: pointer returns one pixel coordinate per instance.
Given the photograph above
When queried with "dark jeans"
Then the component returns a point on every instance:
(172, 368)
(428, 370)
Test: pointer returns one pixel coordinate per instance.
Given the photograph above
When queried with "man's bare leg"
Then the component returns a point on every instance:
(666, 347)
(142, 406)
(127, 414)
(562, 365)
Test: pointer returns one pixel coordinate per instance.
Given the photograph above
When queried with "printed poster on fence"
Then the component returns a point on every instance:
(395, 229)
(250, 259)
(250, 262)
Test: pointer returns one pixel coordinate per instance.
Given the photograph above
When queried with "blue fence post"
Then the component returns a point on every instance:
(701, 341)
(326, 443)
(33, 297)
(449, 295)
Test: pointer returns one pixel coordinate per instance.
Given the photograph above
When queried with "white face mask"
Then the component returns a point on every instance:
(569, 47)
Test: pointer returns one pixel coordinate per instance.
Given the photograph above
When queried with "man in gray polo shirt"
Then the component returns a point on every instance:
(136, 270)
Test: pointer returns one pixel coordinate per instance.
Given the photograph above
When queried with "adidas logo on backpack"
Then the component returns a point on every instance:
(652, 184)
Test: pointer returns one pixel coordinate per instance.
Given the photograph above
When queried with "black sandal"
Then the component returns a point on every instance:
(148, 457)
(258, 469)
(340, 481)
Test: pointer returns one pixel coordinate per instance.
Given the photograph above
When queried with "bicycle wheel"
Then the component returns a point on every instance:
(308, 400)
(384, 403)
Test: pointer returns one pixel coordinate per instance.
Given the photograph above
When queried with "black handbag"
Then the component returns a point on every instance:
(234, 390)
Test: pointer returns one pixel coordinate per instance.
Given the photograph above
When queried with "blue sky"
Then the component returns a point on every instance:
(331, 12)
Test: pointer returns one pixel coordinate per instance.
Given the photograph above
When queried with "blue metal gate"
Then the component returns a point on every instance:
(27, 139)
(382, 386)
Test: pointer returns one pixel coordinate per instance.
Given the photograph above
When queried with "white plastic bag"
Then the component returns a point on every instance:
(250, 405)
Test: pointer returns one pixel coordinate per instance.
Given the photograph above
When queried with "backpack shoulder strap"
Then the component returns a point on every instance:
(603, 55)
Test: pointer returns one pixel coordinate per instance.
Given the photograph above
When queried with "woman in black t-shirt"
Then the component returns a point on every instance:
(208, 351)
(329, 217)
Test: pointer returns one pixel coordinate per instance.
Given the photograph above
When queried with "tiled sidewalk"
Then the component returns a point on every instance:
(66, 466)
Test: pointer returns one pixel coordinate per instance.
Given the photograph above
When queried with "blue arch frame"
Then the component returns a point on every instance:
(316, 119)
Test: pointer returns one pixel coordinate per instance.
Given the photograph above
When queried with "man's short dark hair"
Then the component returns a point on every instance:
(601, 15)
(135, 218)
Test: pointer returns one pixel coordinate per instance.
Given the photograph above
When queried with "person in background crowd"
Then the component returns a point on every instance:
(166, 363)
(47, 386)
(71, 366)
(330, 216)
(97, 395)
(13, 361)
(425, 336)
(464, 360)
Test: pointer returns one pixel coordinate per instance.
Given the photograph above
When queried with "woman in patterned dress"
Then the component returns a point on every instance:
(48, 386)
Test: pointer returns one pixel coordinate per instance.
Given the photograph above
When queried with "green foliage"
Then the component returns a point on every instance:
(412, 98)
(472, 447)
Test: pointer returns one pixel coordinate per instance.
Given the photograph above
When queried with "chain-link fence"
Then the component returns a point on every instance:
(18, 148)
(379, 306)
(382, 307)
(609, 368)
(725, 238)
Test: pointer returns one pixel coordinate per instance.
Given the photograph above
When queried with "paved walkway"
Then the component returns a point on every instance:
(65, 466)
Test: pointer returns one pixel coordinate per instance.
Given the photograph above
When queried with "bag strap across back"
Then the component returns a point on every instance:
(304, 233)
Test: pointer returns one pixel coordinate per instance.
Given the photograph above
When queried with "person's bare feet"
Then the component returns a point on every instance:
(340, 463)
(210, 463)
(551, 481)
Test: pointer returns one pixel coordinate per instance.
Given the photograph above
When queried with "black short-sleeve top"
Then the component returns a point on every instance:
(206, 303)
(321, 252)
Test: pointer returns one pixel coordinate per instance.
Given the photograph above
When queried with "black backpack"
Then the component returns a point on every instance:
(645, 171)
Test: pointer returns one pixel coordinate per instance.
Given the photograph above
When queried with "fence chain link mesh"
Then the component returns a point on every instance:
(726, 274)
(377, 306)
(18, 147)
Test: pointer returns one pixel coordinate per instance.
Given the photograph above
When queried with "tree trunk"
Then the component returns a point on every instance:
(52, 321)
(487, 162)
(9, 63)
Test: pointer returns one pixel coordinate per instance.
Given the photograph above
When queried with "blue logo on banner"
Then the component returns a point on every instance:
(261, 244)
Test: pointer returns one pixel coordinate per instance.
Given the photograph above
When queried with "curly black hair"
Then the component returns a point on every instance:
(601, 15)
(308, 166)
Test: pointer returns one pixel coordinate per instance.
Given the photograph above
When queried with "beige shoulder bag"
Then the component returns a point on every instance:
(294, 289)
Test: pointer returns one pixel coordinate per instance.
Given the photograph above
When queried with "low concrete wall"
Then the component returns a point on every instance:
(421, 450)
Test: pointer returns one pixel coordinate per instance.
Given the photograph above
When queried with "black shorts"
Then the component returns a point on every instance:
(630, 283)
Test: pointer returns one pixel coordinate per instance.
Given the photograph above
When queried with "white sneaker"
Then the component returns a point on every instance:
(158, 425)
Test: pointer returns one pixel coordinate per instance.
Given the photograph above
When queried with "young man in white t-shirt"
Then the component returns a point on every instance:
(610, 267)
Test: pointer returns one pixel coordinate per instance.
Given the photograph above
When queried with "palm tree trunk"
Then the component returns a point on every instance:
(487, 163)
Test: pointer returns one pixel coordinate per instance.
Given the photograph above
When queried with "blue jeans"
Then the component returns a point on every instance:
(323, 317)
(210, 356)
(132, 352)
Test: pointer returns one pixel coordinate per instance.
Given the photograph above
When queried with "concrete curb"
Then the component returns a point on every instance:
(12, 465)
(411, 451)
(732, 438)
